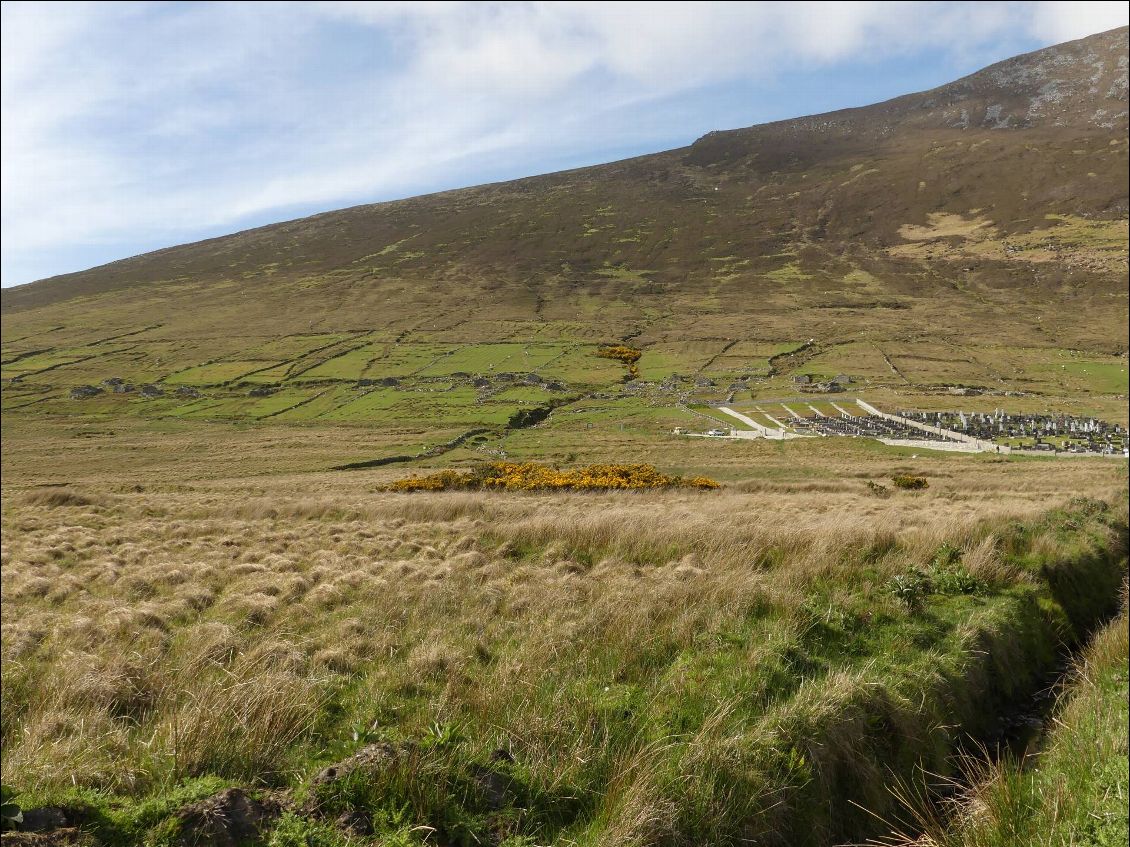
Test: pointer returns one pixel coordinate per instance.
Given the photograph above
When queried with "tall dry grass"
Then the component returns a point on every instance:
(153, 636)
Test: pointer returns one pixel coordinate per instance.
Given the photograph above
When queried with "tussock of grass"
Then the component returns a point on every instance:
(57, 497)
(662, 667)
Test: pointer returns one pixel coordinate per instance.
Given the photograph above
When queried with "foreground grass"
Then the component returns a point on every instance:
(1074, 791)
(646, 668)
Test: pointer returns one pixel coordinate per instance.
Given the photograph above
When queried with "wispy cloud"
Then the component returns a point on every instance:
(131, 124)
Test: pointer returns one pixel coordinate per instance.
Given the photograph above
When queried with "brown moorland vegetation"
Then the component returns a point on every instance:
(642, 658)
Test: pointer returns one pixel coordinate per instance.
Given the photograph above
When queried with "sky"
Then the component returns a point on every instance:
(127, 127)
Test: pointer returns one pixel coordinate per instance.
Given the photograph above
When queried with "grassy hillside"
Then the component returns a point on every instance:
(974, 235)
(212, 633)
(1072, 791)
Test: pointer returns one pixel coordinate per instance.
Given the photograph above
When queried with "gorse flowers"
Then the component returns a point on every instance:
(531, 476)
(622, 353)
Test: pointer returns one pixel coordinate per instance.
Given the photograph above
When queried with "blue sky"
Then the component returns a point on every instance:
(127, 127)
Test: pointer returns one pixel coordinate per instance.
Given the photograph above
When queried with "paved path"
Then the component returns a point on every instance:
(765, 431)
(985, 446)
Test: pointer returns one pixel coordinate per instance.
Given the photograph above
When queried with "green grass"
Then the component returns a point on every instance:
(1072, 791)
(348, 366)
(783, 722)
(685, 358)
(293, 346)
(476, 359)
(217, 373)
(1097, 377)
(581, 366)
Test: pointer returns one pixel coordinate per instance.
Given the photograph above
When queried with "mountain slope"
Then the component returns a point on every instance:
(913, 241)
(1062, 99)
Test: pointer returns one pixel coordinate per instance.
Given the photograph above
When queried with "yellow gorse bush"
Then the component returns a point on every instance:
(531, 476)
(622, 353)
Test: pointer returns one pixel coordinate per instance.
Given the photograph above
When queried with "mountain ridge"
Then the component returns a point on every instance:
(1043, 78)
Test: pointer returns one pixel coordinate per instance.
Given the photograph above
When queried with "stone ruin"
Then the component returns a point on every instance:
(118, 385)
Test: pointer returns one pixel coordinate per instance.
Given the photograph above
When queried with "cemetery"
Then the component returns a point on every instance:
(972, 432)
(1048, 433)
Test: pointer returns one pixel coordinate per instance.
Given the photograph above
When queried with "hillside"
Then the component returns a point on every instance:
(972, 235)
(757, 492)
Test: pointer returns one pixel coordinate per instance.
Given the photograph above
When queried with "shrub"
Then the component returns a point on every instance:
(531, 476)
(912, 588)
(622, 353)
(877, 489)
(910, 483)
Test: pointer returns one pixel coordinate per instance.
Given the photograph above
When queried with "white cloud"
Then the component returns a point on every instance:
(1066, 21)
(131, 123)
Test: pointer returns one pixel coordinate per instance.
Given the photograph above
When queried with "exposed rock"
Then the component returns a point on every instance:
(149, 390)
(48, 818)
(369, 757)
(187, 392)
(228, 819)
(494, 785)
(262, 391)
(50, 825)
(822, 388)
(84, 392)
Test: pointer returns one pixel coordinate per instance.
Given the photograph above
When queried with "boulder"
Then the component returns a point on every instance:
(228, 819)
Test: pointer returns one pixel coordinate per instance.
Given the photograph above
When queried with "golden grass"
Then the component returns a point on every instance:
(183, 631)
(210, 623)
